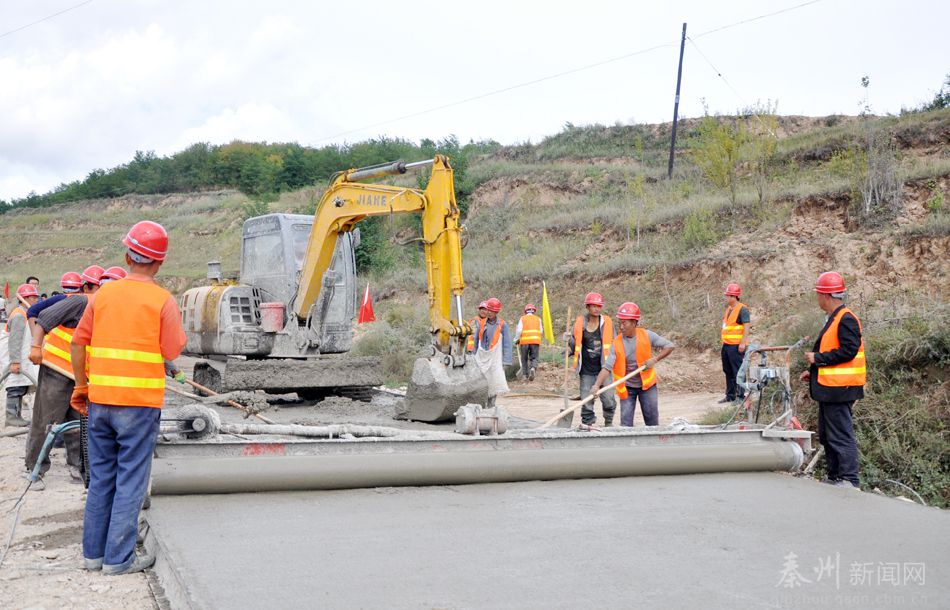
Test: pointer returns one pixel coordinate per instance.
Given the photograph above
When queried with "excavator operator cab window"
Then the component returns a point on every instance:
(301, 235)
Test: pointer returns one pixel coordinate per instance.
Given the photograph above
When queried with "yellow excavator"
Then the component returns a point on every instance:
(287, 322)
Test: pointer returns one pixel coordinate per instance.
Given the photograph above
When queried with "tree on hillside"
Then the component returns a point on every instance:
(717, 150)
(941, 99)
(728, 150)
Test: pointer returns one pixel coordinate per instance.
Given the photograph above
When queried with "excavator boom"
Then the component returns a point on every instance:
(448, 379)
(347, 202)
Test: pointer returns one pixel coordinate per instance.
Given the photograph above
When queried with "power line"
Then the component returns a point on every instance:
(566, 73)
(728, 84)
(756, 18)
(498, 91)
(48, 17)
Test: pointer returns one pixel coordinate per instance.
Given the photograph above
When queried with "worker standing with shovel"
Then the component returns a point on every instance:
(633, 349)
(590, 344)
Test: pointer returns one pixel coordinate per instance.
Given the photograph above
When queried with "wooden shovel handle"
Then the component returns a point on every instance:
(566, 412)
(231, 403)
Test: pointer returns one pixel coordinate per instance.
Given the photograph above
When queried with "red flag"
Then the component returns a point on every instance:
(6, 290)
(366, 309)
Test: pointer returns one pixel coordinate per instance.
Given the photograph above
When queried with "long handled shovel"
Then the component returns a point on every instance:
(567, 422)
(570, 411)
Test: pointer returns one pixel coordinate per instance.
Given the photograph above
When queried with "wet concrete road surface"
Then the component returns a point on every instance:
(755, 540)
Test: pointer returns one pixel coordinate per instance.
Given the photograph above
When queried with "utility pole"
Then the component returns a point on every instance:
(676, 104)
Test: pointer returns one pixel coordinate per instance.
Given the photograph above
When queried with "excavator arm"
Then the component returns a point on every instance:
(347, 202)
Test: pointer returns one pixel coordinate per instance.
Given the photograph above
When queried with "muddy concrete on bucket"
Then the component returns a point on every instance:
(436, 391)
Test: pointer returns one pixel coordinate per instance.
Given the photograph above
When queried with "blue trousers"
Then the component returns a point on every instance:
(121, 442)
(649, 406)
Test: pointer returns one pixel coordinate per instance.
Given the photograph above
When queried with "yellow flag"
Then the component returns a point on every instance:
(546, 316)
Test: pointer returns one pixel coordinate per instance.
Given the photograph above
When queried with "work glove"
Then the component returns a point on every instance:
(36, 354)
(180, 377)
(650, 363)
(80, 399)
(14, 368)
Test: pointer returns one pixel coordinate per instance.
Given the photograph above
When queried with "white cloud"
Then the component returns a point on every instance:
(250, 122)
(86, 89)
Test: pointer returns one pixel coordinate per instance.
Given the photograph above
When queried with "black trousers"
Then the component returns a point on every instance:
(731, 361)
(51, 406)
(529, 358)
(836, 434)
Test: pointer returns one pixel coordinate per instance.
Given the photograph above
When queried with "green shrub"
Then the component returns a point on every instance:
(699, 229)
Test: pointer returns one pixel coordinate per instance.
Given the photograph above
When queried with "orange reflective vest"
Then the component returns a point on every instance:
(731, 328)
(495, 336)
(126, 367)
(56, 354)
(644, 353)
(530, 330)
(606, 336)
(477, 324)
(17, 311)
(851, 373)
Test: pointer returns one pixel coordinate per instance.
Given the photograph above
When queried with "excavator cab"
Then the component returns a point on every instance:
(273, 248)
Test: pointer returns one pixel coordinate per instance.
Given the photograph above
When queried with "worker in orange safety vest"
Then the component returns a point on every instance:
(631, 349)
(52, 335)
(836, 376)
(590, 343)
(131, 328)
(477, 324)
(527, 337)
(735, 337)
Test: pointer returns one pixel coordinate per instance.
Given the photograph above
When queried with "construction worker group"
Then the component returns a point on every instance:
(99, 351)
(836, 375)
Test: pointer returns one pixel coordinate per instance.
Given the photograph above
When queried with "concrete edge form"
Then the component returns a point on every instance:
(209, 475)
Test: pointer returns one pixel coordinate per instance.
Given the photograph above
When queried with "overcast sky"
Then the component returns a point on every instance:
(87, 88)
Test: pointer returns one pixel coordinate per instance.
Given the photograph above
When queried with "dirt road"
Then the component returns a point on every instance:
(690, 406)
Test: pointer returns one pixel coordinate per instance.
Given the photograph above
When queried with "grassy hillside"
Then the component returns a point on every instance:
(590, 208)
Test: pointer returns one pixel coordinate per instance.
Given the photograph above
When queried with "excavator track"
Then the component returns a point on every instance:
(322, 375)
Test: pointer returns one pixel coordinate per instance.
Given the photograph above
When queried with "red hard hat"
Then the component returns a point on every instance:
(530, 307)
(114, 273)
(628, 311)
(27, 290)
(483, 305)
(71, 279)
(493, 304)
(148, 239)
(92, 274)
(733, 290)
(830, 282)
(594, 298)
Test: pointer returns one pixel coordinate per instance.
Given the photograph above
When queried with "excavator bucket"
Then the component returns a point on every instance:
(436, 390)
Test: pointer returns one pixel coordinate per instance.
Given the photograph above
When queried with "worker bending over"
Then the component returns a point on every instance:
(735, 338)
(633, 348)
(52, 335)
(528, 337)
(590, 344)
(836, 379)
(131, 328)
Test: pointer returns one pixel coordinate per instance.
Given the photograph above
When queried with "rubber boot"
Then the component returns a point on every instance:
(13, 412)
